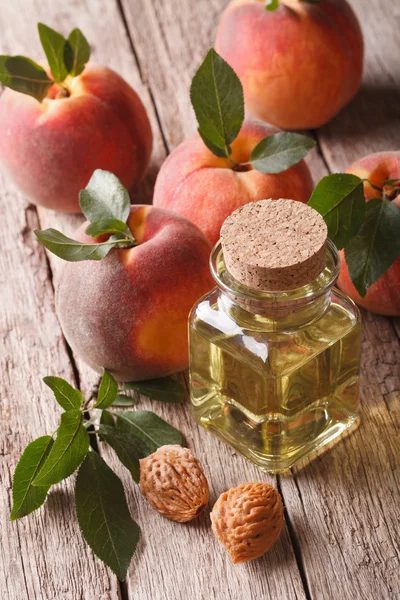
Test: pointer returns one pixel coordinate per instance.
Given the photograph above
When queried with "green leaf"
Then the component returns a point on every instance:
(81, 51)
(68, 451)
(104, 198)
(106, 418)
(165, 389)
(124, 400)
(376, 246)
(24, 75)
(339, 198)
(27, 498)
(67, 396)
(280, 151)
(391, 181)
(149, 428)
(73, 251)
(58, 52)
(107, 392)
(214, 149)
(271, 5)
(108, 226)
(103, 514)
(217, 99)
(126, 447)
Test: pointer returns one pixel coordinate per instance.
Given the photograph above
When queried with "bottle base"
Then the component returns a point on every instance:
(279, 462)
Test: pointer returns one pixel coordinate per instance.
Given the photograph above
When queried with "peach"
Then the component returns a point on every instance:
(206, 189)
(299, 65)
(383, 297)
(128, 312)
(51, 148)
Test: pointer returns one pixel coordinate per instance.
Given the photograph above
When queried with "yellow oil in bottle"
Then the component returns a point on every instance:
(275, 388)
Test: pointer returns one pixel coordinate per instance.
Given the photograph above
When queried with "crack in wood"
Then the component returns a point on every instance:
(66, 345)
(22, 563)
(163, 136)
(140, 70)
(123, 590)
(129, 38)
(294, 539)
(320, 150)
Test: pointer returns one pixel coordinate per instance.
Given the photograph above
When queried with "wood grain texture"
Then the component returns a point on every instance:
(163, 559)
(344, 505)
(371, 122)
(171, 40)
(43, 555)
(178, 561)
(342, 508)
(334, 561)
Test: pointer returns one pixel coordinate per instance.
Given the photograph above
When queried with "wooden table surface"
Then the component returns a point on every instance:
(341, 537)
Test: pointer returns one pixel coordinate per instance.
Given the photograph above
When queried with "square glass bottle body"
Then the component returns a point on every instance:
(275, 375)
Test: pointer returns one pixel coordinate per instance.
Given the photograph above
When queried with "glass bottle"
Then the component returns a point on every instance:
(275, 374)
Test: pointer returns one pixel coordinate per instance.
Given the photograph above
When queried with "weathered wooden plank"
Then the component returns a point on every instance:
(174, 103)
(188, 562)
(168, 59)
(177, 561)
(147, 582)
(170, 41)
(371, 122)
(185, 561)
(181, 561)
(344, 505)
(32, 565)
(161, 544)
(43, 555)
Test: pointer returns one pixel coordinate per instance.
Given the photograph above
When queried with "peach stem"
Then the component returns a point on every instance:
(63, 92)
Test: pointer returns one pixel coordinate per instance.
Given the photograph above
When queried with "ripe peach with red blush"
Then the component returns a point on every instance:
(206, 189)
(128, 312)
(299, 65)
(51, 148)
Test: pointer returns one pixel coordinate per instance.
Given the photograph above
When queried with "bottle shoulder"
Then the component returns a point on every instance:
(210, 310)
(271, 350)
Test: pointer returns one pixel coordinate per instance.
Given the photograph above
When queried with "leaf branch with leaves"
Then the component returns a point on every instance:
(66, 58)
(101, 506)
(106, 204)
(369, 232)
(217, 98)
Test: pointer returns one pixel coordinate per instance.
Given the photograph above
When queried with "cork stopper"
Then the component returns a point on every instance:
(274, 245)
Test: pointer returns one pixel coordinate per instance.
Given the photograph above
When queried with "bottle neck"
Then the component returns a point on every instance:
(275, 310)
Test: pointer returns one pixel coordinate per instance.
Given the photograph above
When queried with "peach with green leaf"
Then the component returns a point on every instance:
(231, 161)
(133, 274)
(362, 211)
(380, 173)
(59, 125)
